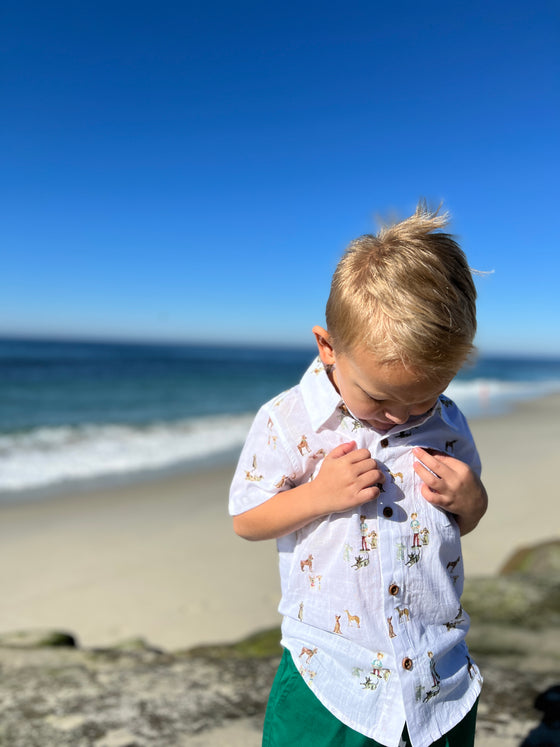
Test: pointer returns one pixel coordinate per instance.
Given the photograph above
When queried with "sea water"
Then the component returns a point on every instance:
(75, 412)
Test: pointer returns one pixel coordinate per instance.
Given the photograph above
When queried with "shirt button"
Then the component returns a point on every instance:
(394, 590)
(407, 664)
(387, 511)
(384, 442)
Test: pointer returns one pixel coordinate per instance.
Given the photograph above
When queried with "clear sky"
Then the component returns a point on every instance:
(193, 170)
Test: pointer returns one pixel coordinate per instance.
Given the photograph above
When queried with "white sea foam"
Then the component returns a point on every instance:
(46, 456)
(479, 397)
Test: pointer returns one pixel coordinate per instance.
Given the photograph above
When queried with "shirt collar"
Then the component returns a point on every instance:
(320, 398)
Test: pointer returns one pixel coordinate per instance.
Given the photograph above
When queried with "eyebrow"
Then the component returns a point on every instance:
(380, 398)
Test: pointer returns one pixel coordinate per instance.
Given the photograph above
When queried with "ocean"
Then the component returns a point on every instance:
(74, 413)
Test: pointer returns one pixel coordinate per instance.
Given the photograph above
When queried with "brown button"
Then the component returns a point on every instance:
(407, 664)
(387, 511)
(384, 442)
(394, 590)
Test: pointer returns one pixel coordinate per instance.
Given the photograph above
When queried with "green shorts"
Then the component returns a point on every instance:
(295, 716)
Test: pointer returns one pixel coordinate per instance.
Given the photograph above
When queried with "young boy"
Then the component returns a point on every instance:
(367, 476)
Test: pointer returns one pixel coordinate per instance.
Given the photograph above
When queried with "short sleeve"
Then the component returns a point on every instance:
(265, 466)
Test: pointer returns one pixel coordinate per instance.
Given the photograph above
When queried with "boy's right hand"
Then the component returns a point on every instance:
(347, 478)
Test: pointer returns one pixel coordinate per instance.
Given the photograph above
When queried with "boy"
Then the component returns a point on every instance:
(347, 471)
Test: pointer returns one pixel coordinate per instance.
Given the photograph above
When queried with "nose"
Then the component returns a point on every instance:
(397, 415)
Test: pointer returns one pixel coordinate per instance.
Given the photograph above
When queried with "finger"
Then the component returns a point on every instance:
(372, 478)
(369, 466)
(341, 450)
(432, 496)
(436, 459)
(438, 464)
(360, 455)
(369, 493)
(426, 474)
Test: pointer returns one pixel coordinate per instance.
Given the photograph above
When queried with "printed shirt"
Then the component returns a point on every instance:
(370, 597)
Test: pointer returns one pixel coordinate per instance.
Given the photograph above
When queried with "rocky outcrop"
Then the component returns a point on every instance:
(126, 696)
(54, 693)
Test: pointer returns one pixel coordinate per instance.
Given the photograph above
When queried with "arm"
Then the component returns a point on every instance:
(347, 478)
(454, 487)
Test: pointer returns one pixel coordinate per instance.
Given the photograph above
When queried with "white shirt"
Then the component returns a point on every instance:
(370, 597)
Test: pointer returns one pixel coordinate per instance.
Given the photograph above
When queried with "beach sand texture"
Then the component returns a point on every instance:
(159, 559)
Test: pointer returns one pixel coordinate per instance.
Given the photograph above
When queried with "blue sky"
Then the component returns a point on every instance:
(193, 170)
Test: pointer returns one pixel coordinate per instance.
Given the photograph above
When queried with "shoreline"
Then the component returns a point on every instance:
(157, 557)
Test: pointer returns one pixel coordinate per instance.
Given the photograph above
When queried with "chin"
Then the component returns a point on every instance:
(383, 427)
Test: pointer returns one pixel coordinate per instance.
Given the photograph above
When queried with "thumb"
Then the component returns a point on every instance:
(341, 450)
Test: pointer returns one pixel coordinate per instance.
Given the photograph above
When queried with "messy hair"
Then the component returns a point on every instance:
(406, 295)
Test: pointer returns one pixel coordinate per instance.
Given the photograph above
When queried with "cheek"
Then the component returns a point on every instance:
(421, 409)
(368, 409)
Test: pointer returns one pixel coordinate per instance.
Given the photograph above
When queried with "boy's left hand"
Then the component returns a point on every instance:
(453, 487)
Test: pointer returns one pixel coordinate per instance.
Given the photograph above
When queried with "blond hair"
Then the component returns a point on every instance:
(406, 295)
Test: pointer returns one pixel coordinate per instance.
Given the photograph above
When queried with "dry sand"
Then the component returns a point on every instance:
(159, 559)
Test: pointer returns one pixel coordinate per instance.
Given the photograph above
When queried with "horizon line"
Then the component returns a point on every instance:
(98, 339)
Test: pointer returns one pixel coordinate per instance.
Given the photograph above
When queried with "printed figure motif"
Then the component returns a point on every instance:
(283, 481)
(473, 670)
(364, 532)
(392, 633)
(415, 526)
(307, 562)
(309, 652)
(271, 441)
(353, 619)
(403, 613)
(452, 564)
(377, 670)
(344, 411)
(451, 567)
(303, 446)
(457, 620)
(413, 558)
(435, 676)
(319, 454)
(361, 561)
(337, 628)
(377, 664)
(436, 679)
(251, 474)
(404, 434)
(315, 581)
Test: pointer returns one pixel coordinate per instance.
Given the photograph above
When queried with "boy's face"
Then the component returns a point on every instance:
(382, 395)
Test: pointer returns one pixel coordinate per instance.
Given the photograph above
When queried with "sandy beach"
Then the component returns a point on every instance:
(159, 559)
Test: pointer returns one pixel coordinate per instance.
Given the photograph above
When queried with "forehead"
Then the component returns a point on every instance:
(390, 381)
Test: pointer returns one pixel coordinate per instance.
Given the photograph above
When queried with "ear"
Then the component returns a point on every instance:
(326, 352)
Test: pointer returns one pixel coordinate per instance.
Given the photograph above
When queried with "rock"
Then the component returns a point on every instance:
(37, 639)
(515, 599)
(541, 560)
(119, 697)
